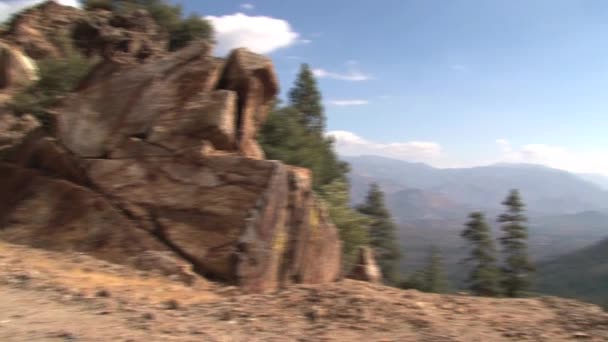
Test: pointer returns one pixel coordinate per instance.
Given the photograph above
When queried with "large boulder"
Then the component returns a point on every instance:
(14, 130)
(43, 31)
(17, 70)
(132, 37)
(314, 246)
(56, 214)
(366, 268)
(253, 78)
(162, 157)
(51, 30)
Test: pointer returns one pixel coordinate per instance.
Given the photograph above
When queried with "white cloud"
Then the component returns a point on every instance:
(258, 33)
(554, 156)
(305, 41)
(505, 146)
(348, 143)
(8, 8)
(247, 7)
(348, 102)
(353, 74)
(459, 67)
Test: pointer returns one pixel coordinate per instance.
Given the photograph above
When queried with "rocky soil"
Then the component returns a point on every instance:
(48, 296)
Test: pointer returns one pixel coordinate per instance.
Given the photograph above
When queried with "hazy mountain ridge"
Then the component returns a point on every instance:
(546, 191)
(596, 179)
(582, 274)
(565, 211)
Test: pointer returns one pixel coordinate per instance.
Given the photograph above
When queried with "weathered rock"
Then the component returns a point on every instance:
(366, 268)
(206, 210)
(132, 37)
(59, 215)
(47, 155)
(43, 31)
(253, 78)
(13, 129)
(105, 112)
(164, 152)
(16, 69)
(314, 253)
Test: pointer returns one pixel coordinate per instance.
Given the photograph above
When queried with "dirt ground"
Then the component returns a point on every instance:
(48, 296)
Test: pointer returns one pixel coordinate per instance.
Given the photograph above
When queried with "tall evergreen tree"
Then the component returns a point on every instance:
(305, 97)
(287, 134)
(484, 279)
(434, 277)
(382, 233)
(518, 268)
(431, 278)
(351, 224)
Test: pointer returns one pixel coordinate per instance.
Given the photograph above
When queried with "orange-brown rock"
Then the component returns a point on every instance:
(132, 37)
(44, 30)
(56, 214)
(51, 30)
(14, 130)
(16, 69)
(164, 153)
(314, 253)
(366, 268)
(253, 78)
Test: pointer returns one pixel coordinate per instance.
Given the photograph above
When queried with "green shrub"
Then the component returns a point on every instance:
(188, 30)
(57, 77)
(169, 17)
(91, 5)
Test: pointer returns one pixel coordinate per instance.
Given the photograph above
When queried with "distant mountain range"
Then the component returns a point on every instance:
(600, 180)
(416, 190)
(582, 274)
(567, 212)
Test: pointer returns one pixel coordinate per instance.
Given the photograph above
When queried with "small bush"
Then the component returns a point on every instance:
(189, 30)
(169, 17)
(91, 5)
(57, 77)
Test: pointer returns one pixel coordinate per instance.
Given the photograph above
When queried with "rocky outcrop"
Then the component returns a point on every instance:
(120, 37)
(51, 30)
(43, 31)
(314, 253)
(16, 69)
(366, 269)
(14, 130)
(162, 157)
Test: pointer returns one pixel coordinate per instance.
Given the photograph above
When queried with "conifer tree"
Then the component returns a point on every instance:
(518, 268)
(434, 277)
(382, 233)
(484, 279)
(305, 97)
(294, 134)
(351, 224)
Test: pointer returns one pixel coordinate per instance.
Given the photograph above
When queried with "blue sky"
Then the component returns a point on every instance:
(450, 83)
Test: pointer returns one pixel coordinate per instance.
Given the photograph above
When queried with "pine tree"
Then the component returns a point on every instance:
(382, 233)
(351, 224)
(306, 99)
(518, 268)
(287, 134)
(484, 279)
(434, 277)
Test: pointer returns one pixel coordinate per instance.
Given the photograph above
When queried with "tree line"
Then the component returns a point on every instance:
(295, 134)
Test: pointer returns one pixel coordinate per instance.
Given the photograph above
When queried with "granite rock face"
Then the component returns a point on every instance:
(17, 70)
(366, 268)
(43, 31)
(160, 158)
